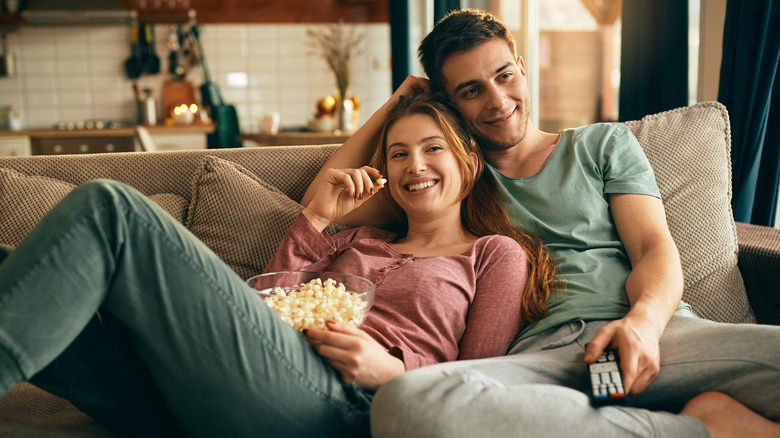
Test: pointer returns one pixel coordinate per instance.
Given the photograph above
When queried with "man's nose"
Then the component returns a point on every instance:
(495, 97)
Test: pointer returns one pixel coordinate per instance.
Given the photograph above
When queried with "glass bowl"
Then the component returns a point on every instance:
(319, 303)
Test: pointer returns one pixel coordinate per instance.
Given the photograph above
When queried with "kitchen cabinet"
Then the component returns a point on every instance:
(14, 145)
(172, 138)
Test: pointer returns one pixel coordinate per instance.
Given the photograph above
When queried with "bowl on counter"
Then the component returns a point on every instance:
(320, 124)
(307, 299)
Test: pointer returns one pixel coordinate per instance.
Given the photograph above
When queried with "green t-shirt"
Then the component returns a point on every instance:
(566, 204)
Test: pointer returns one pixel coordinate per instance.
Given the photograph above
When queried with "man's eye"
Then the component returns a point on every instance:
(506, 75)
(470, 92)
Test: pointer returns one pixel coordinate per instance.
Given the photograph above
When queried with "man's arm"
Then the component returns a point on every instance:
(654, 289)
(357, 151)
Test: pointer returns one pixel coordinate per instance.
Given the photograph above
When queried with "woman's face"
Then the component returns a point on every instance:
(423, 175)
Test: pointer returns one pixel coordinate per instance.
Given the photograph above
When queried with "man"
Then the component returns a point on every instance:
(590, 194)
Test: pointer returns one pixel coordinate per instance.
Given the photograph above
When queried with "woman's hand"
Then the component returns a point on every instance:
(355, 355)
(341, 191)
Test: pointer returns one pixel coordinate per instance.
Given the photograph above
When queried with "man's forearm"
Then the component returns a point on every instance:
(655, 287)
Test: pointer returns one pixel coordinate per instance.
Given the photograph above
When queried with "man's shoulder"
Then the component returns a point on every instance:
(598, 130)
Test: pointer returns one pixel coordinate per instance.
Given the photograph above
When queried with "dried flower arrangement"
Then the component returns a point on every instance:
(337, 45)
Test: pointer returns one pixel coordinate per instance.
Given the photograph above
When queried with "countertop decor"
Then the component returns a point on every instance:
(338, 45)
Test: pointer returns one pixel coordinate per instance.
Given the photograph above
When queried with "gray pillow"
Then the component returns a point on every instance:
(239, 216)
(689, 149)
(25, 200)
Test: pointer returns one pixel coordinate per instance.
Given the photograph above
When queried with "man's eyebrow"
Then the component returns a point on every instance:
(472, 82)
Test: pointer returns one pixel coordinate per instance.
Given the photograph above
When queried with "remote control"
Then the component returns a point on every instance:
(606, 381)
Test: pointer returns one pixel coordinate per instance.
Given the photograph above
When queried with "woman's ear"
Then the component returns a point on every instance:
(474, 164)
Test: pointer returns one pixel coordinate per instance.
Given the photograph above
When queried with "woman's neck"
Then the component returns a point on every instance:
(441, 236)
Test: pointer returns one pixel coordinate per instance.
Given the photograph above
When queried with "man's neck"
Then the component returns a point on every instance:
(525, 158)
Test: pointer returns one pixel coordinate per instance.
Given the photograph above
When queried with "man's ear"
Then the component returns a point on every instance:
(521, 64)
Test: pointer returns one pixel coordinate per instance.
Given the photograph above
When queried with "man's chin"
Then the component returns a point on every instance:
(493, 144)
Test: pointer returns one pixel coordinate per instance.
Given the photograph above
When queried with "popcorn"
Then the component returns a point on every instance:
(381, 181)
(315, 303)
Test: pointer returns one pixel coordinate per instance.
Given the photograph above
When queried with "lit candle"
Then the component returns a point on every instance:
(183, 114)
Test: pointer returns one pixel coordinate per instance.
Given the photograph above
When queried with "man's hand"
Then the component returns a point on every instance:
(637, 345)
(355, 354)
(341, 191)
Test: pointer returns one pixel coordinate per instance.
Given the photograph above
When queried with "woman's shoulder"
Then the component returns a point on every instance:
(497, 243)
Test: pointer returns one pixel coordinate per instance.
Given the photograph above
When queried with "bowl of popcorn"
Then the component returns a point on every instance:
(307, 299)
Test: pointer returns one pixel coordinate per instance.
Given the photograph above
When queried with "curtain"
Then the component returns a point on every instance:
(401, 51)
(654, 57)
(751, 50)
(442, 7)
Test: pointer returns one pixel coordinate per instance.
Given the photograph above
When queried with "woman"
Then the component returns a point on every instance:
(182, 346)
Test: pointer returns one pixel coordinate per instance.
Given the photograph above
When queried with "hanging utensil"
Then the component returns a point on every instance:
(225, 116)
(152, 62)
(175, 65)
(133, 64)
(7, 59)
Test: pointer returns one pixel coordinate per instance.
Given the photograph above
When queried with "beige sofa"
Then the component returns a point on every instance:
(240, 201)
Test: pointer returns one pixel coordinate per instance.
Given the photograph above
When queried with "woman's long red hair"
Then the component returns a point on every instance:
(481, 212)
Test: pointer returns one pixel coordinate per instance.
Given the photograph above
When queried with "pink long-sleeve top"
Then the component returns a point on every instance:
(426, 309)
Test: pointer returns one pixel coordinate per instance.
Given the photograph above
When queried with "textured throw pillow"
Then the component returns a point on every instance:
(689, 150)
(24, 200)
(239, 216)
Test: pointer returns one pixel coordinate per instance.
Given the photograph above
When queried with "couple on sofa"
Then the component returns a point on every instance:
(180, 345)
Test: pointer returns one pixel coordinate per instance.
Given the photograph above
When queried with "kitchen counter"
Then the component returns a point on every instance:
(199, 128)
(47, 141)
(294, 138)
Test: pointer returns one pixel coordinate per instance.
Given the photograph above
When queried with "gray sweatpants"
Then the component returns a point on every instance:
(539, 389)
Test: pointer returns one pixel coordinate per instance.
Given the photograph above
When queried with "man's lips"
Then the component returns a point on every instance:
(501, 119)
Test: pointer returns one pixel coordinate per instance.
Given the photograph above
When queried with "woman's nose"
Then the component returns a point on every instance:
(416, 163)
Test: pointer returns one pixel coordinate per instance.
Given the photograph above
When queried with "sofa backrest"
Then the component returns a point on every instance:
(290, 169)
(689, 149)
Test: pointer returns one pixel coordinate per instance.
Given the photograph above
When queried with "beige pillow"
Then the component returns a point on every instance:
(25, 199)
(689, 149)
(239, 216)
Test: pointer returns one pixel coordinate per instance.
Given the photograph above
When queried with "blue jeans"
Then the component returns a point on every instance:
(112, 304)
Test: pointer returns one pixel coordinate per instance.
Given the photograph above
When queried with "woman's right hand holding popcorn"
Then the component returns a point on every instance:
(341, 191)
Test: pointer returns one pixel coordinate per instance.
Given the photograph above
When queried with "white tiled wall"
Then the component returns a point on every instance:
(75, 73)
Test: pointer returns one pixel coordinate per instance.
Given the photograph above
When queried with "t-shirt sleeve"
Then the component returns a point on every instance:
(625, 166)
(494, 317)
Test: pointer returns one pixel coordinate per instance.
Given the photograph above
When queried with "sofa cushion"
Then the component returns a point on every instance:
(25, 199)
(689, 149)
(239, 216)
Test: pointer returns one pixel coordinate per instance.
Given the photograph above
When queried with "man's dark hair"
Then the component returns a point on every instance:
(459, 30)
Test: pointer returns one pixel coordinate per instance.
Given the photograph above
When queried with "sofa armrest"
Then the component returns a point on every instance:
(759, 263)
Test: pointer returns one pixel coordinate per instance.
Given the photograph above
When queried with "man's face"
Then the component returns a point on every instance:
(488, 85)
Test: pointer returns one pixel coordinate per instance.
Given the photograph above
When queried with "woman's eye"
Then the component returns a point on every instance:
(435, 148)
(398, 154)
